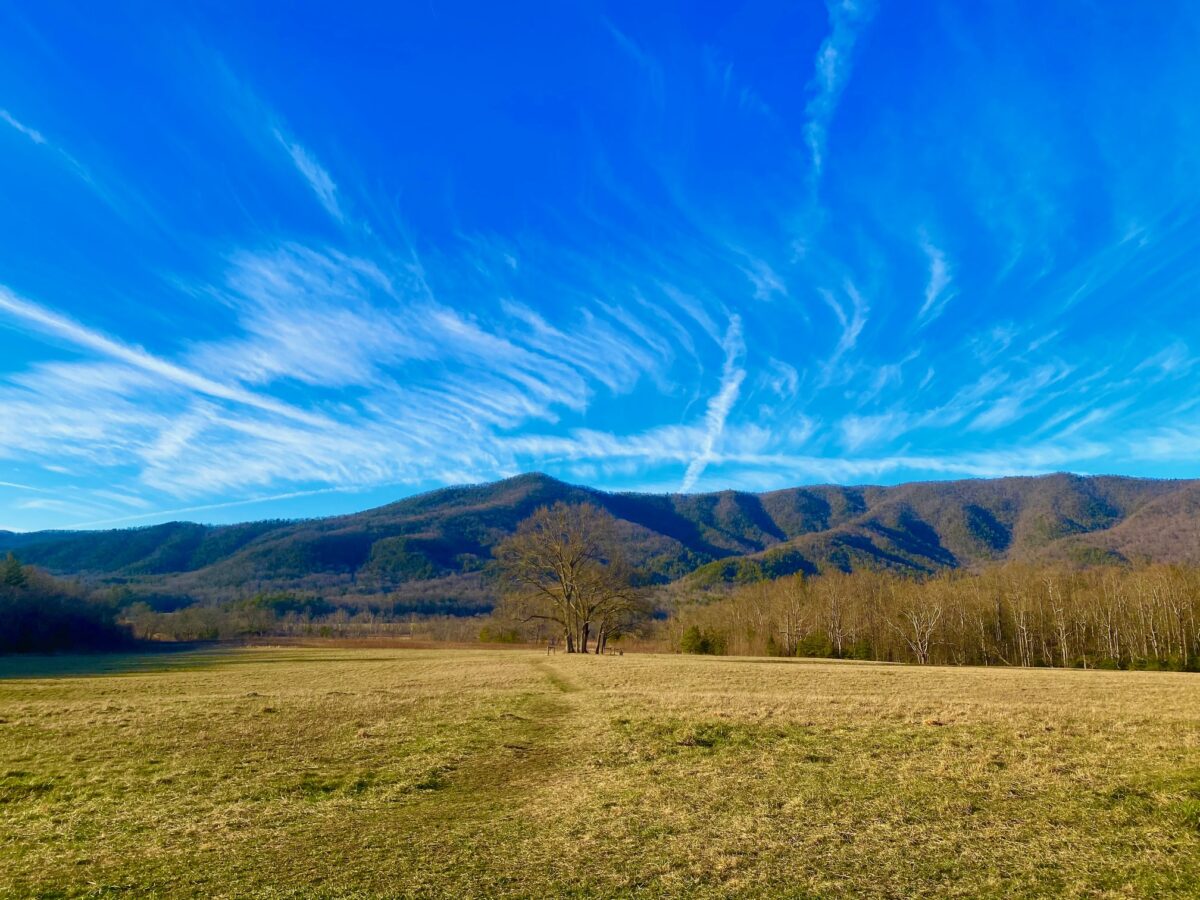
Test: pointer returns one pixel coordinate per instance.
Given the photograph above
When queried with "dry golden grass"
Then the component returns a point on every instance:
(297, 772)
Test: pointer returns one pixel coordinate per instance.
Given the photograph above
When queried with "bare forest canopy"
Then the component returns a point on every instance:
(1013, 615)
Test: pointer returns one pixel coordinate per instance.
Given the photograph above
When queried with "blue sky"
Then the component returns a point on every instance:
(264, 260)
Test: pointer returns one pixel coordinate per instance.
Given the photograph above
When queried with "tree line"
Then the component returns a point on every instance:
(1011, 615)
(286, 614)
(42, 614)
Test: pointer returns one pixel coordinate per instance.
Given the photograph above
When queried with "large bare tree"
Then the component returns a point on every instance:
(564, 565)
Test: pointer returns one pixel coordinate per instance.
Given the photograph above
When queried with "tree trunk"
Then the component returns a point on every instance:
(570, 642)
(583, 637)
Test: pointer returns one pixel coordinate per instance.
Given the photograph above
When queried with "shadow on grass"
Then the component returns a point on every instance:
(163, 657)
(147, 658)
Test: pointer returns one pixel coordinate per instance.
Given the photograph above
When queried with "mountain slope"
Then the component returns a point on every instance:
(427, 552)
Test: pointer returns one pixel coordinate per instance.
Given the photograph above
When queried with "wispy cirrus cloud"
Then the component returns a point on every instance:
(757, 456)
(851, 316)
(315, 174)
(719, 406)
(432, 384)
(124, 202)
(206, 507)
(937, 287)
(1021, 398)
(781, 378)
(832, 67)
(62, 327)
(32, 133)
(16, 486)
(859, 431)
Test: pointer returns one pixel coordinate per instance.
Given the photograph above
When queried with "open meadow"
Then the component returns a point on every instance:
(297, 772)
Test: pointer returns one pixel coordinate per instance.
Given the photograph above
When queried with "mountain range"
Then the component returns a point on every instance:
(428, 553)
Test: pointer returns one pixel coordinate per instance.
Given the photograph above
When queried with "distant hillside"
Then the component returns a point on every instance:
(426, 553)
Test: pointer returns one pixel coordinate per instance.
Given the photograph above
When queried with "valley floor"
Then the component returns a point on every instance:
(297, 772)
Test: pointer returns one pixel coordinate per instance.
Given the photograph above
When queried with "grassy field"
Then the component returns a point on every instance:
(338, 772)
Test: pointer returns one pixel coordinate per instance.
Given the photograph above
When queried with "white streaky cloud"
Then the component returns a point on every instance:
(329, 320)
(496, 401)
(641, 58)
(549, 380)
(52, 323)
(1032, 460)
(1042, 340)
(585, 473)
(629, 45)
(781, 378)
(936, 293)
(646, 333)
(859, 431)
(172, 441)
(965, 401)
(851, 324)
(1180, 442)
(1001, 464)
(320, 318)
(766, 281)
(1094, 417)
(64, 507)
(83, 381)
(665, 444)
(801, 431)
(32, 134)
(1062, 417)
(1022, 397)
(208, 507)
(831, 70)
(743, 449)
(122, 499)
(413, 439)
(15, 486)
(440, 426)
(444, 425)
(121, 199)
(316, 176)
(108, 433)
(680, 338)
(692, 308)
(1173, 359)
(719, 405)
(594, 349)
(887, 376)
(994, 342)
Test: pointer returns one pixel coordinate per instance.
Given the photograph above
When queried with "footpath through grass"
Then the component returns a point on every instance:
(332, 772)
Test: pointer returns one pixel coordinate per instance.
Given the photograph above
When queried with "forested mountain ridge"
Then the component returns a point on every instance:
(427, 552)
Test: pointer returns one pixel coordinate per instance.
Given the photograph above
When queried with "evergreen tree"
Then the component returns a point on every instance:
(12, 573)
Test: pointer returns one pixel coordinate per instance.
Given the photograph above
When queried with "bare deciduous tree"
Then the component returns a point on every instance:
(917, 622)
(564, 565)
